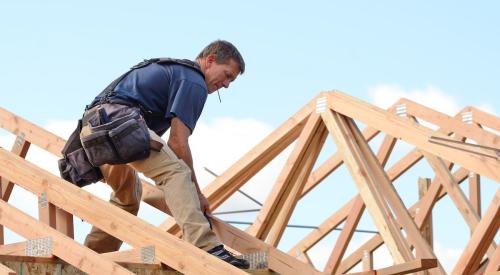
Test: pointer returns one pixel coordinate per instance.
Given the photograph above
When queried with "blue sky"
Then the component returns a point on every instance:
(57, 55)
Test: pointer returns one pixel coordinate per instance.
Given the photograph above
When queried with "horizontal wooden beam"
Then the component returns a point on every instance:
(405, 268)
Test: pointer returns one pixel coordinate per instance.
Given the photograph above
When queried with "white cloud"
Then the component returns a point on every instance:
(386, 95)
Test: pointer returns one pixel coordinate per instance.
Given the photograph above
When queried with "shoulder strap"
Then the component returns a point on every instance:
(163, 60)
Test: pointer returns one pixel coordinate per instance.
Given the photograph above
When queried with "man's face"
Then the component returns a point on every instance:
(220, 75)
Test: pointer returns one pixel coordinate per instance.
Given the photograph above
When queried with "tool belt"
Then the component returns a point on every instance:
(117, 134)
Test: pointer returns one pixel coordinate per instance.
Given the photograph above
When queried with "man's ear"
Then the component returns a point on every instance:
(211, 58)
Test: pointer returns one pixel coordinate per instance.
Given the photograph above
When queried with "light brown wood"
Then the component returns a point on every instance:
(494, 262)
(64, 223)
(245, 243)
(345, 237)
(420, 212)
(280, 203)
(481, 238)
(6, 271)
(475, 193)
(485, 119)
(127, 256)
(456, 194)
(379, 211)
(426, 228)
(19, 148)
(367, 260)
(62, 246)
(412, 133)
(169, 250)
(405, 268)
(456, 125)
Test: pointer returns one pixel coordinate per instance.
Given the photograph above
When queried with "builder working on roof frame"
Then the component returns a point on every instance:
(119, 136)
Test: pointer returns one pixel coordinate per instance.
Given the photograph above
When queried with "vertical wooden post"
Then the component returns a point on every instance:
(46, 211)
(475, 192)
(367, 260)
(426, 228)
(64, 222)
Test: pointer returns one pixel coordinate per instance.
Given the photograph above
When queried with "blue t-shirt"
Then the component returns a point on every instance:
(166, 91)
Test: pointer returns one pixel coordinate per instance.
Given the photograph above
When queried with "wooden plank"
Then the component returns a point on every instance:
(243, 242)
(412, 133)
(62, 246)
(6, 271)
(405, 268)
(494, 262)
(475, 193)
(456, 194)
(481, 238)
(390, 193)
(420, 212)
(128, 256)
(277, 209)
(452, 124)
(64, 223)
(426, 228)
(169, 250)
(331, 164)
(344, 238)
(32, 133)
(367, 261)
(19, 148)
(374, 202)
(485, 119)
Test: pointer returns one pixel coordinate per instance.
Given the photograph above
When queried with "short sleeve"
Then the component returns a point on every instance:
(188, 103)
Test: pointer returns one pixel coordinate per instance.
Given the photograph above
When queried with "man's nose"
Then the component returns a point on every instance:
(226, 83)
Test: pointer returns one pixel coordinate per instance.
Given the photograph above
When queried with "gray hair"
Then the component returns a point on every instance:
(224, 51)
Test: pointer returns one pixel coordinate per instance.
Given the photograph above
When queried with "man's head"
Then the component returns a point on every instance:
(221, 63)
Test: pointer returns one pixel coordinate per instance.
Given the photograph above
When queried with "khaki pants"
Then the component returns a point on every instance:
(173, 177)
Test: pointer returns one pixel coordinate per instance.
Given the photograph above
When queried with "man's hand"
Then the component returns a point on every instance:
(205, 207)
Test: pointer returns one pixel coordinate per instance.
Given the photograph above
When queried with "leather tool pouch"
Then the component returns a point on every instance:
(75, 167)
(125, 138)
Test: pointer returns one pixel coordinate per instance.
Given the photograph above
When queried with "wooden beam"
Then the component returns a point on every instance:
(169, 250)
(6, 271)
(494, 262)
(32, 133)
(64, 223)
(420, 212)
(412, 133)
(481, 238)
(331, 164)
(360, 171)
(62, 246)
(345, 237)
(456, 194)
(426, 228)
(367, 261)
(394, 200)
(243, 242)
(452, 124)
(485, 119)
(128, 256)
(475, 193)
(405, 268)
(280, 203)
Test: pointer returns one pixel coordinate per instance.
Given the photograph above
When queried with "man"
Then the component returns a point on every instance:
(168, 94)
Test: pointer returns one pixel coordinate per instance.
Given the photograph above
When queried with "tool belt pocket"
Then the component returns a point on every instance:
(75, 167)
(121, 141)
